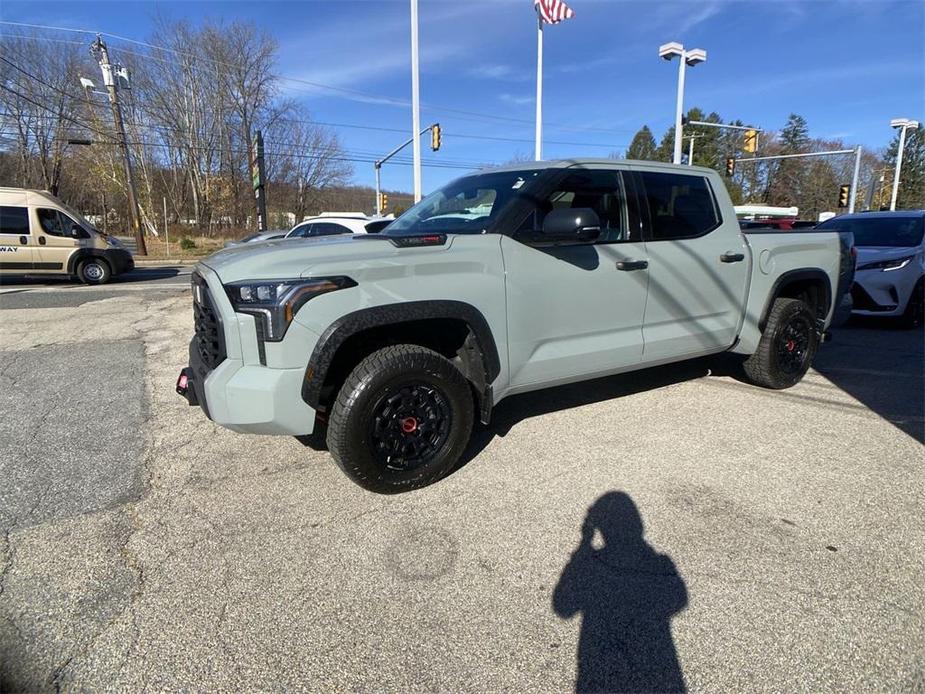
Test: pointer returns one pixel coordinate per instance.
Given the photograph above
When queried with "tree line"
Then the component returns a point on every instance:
(812, 184)
(197, 96)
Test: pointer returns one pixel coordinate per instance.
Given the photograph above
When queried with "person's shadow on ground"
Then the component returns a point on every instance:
(627, 594)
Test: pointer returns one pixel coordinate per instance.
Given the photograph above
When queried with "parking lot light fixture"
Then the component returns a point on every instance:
(903, 124)
(695, 56)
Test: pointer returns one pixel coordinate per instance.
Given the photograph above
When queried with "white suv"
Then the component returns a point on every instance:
(330, 224)
(890, 265)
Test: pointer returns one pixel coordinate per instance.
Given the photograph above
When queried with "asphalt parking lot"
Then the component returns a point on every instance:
(669, 529)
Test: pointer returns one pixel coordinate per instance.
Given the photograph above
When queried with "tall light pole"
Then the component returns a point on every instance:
(415, 102)
(903, 124)
(692, 57)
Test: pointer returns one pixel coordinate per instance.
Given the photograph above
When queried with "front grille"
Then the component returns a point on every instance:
(209, 342)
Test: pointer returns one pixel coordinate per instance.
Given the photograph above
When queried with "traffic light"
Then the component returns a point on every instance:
(730, 167)
(751, 141)
(383, 201)
(435, 136)
(844, 193)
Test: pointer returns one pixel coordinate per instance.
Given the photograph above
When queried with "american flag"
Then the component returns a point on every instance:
(553, 11)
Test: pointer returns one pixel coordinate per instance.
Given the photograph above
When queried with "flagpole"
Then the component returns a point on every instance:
(539, 87)
(415, 102)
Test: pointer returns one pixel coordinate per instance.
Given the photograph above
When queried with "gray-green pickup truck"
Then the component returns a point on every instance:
(389, 346)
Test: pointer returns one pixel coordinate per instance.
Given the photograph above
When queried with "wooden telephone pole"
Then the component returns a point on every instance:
(99, 51)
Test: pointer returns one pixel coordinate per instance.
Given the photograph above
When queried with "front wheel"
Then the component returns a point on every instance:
(401, 421)
(787, 347)
(94, 271)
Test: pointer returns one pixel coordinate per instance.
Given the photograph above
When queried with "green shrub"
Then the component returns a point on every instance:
(186, 243)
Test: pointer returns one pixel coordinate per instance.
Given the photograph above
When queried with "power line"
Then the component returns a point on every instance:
(318, 85)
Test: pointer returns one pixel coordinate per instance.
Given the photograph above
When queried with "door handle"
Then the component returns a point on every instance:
(732, 257)
(23, 240)
(41, 240)
(627, 265)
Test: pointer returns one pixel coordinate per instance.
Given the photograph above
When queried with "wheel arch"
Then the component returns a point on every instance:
(455, 329)
(810, 284)
(81, 254)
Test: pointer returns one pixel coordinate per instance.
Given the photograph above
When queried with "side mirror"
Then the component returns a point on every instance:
(571, 226)
(76, 232)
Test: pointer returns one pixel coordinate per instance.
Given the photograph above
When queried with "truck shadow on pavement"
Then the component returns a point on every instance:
(626, 594)
(517, 408)
(881, 365)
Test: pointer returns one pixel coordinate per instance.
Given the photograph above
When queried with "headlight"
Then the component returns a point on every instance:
(887, 265)
(273, 303)
(113, 242)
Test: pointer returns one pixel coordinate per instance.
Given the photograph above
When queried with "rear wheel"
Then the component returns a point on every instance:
(914, 315)
(787, 346)
(93, 271)
(401, 421)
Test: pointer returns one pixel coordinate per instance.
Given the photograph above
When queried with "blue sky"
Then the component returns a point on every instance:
(847, 67)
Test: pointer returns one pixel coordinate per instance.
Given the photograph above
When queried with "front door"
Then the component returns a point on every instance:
(55, 242)
(16, 240)
(572, 313)
(698, 267)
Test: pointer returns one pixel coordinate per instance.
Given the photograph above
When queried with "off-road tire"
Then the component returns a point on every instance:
(382, 393)
(94, 271)
(914, 315)
(771, 366)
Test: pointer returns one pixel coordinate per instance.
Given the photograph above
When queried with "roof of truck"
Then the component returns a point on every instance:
(585, 161)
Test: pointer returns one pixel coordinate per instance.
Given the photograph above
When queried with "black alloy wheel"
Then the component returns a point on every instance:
(409, 426)
(793, 343)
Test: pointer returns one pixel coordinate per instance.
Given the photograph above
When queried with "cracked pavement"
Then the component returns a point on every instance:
(145, 548)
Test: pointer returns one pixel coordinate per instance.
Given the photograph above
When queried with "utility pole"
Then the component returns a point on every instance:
(259, 180)
(99, 51)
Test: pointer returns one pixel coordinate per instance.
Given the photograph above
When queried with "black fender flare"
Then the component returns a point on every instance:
(801, 275)
(82, 254)
(352, 323)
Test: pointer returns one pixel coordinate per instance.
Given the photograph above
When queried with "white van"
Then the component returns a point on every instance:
(40, 235)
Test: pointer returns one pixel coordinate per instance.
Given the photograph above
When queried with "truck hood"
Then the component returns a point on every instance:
(289, 258)
(873, 254)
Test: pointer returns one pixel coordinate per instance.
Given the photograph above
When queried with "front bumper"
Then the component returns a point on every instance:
(119, 259)
(877, 293)
(239, 393)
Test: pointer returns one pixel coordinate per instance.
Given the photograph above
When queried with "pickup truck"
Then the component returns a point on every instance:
(387, 347)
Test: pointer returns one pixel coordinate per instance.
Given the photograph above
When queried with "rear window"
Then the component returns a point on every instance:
(680, 207)
(14, 220)
(892, 232)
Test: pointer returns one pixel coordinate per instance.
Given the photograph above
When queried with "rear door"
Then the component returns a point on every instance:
(55, 243)
(16, 240)
(698, 266)
(572, 312)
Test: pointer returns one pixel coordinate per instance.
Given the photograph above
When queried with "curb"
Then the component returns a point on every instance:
(142, 262)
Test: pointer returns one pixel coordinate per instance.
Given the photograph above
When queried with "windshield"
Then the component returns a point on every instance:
(465, 206)
(80, 218)
(894, 232)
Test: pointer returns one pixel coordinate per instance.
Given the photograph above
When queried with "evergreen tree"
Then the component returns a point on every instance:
(665, 149)
(787, 178)
(643, 145)
(794, 137)
(912, 176)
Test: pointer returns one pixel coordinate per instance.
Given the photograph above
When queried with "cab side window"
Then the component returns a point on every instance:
(54, 223)
(678, 206)
(14, 220)
(602, 191)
